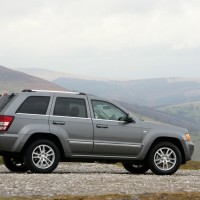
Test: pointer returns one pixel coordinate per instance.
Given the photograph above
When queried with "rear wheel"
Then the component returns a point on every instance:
(14, 164)
(135, 169)
(42, 156)
(164, 158)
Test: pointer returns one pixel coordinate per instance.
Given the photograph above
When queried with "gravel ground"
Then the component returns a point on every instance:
(90, 179)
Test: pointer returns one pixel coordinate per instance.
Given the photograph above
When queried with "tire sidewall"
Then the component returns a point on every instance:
(152, 164)
(28, 157)
(7, 160)
(135, 170)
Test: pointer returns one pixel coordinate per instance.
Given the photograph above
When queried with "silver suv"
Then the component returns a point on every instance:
(39, 129)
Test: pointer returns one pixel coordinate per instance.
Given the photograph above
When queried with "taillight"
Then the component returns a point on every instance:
(5, 122)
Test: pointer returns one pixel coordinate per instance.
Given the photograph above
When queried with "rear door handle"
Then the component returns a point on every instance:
(101, 126)
(58, 123)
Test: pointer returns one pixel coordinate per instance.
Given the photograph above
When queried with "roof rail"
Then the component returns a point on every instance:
(30, 90)
(27, 90)
(81, 93)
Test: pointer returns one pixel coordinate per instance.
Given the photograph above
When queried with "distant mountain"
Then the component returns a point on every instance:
(11, 80)
(51, 75)
(148, 92)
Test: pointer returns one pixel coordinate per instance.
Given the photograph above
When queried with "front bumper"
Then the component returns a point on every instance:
(188, 149)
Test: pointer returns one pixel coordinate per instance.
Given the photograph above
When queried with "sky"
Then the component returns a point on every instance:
(129, 39)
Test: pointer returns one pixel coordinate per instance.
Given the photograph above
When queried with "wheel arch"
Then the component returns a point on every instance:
(39, 136)
(174, 141)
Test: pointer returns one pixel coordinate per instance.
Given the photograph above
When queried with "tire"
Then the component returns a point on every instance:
(164, 158)
(42, 156)
(135, 169)
(14, 164)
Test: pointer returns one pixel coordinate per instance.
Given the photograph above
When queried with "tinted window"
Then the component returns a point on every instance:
(34, 105)
(70, 107)
(105, 110)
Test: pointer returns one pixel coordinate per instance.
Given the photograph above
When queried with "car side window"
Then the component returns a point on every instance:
(72, 107)
(107, 111)
(34, 105)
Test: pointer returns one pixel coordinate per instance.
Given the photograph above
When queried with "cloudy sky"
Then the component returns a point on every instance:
(104, 38)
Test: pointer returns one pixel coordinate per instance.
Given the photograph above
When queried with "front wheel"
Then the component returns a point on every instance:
(135, 169)
(42, 156)
(164, 158)
(14, 164)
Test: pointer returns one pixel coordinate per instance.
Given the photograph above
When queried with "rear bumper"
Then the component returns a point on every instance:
(12, 143)
(7, 142)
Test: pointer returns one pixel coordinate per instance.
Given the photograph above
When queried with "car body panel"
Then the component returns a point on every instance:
(77, 131)
(86, 137)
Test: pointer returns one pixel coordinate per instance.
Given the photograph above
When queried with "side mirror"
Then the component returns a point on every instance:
(129, 118)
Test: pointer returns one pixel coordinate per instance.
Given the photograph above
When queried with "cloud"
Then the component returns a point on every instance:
(98, 33)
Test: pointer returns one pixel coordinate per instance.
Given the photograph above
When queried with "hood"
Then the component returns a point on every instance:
(155, 125)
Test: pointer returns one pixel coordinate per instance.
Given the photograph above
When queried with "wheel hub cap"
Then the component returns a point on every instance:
(165, 158)
(43, 156)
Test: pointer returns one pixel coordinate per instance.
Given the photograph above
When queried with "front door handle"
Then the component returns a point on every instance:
(101, 126)
(58, 122)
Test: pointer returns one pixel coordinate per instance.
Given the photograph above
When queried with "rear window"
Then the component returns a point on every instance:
(70, 107)
(34, 105)
(4, 100)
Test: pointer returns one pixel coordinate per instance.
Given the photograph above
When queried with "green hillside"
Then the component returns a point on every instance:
(190, 109)
(163, 116)
(149, 92)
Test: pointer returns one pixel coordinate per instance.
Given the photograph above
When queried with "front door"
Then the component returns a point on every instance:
(113, 136)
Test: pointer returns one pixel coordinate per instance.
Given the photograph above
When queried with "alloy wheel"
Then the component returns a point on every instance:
(165, 158)
(43, 156)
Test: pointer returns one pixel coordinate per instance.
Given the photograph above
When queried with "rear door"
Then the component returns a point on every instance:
(70, 118)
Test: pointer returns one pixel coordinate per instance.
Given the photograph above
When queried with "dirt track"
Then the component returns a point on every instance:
(90, 179)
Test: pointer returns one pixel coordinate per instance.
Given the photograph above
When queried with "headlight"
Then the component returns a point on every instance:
(188, 138)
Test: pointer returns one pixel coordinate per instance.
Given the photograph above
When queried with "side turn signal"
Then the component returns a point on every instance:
(188, 138)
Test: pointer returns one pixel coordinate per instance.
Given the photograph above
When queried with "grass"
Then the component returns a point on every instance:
(171, 196)
(150, 196)
(191, 165)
